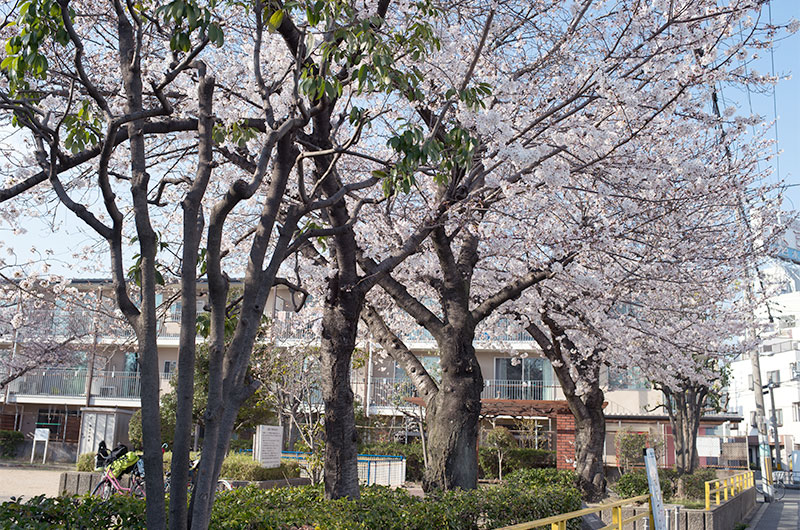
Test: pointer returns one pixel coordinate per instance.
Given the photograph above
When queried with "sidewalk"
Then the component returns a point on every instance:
(16, 481)
(781, 515)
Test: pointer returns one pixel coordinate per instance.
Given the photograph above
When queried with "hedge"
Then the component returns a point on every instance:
(9, 441)
(634, 483)
(385, 508)
(118, 512)
(234, 467)
(521, 458)
(254, 508)
(542, 478)
(415, 462)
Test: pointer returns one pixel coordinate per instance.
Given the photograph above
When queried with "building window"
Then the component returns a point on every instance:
(774, 377)
(794, 372)
(796, 411)
(169, 367)
(631, 379)
(779, 417)
(753, 419)
(175, 312)
(750, 382)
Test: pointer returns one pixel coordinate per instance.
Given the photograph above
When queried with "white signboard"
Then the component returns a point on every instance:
(41, 435)
(267, 445)
(709, 446)
(656, 502)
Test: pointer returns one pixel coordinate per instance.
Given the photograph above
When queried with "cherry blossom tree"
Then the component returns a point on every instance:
(602, 179)
(108, 105)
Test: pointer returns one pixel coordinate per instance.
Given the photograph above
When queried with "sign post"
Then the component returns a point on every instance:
(40, 435)
(657, 515)
(268, 445)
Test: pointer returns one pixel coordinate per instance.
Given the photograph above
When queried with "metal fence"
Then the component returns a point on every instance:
(383, 470)
(719, 452)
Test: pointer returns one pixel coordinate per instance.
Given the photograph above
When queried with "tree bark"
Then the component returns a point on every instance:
(685, 408)
(192, 228)
(453, 417)
(590, 434)
(146, 328)
(586, 406)
(339, 326)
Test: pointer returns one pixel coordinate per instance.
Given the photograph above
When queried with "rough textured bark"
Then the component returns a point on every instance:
(453, 416)
(587, 407)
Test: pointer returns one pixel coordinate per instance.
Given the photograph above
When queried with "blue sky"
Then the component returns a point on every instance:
(787, 62)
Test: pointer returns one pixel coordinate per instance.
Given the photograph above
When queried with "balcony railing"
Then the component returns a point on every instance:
(71, 382)
(515, 389)
(387, 392)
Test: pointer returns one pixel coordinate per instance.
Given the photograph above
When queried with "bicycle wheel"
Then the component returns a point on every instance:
(137, 487)
(778, 490)
(223, 485)
(104, 489)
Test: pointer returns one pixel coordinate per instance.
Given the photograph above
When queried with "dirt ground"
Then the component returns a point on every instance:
(28, 482)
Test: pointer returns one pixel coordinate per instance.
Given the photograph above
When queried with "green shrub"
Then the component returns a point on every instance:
(254, 508)
(9, 441)
(541, 478)
(634, 483)
(118, 512)
(85, 462)
(241, 444)
(243, 467)
(694, 485)
(384, 508)
(415, 462)
(520, 458)
(509, 506)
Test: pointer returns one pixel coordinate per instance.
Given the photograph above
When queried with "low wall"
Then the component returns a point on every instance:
(722, 517)
(82, 482)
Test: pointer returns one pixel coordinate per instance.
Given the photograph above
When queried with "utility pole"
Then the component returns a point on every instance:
(771, 385)
(761, 425)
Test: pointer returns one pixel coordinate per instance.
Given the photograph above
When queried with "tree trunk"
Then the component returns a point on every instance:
(192, 229)
(453, 416)
(590, 434)
(339, 325)
(685, 407)
(586, 405)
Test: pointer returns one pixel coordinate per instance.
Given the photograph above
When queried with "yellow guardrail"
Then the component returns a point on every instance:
(559, 522)
(728, 487)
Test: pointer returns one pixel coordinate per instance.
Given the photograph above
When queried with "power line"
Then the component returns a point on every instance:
(774, 98)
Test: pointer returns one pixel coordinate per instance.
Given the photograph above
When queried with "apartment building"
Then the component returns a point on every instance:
(106, 379)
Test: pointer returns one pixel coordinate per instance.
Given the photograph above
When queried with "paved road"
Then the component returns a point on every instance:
(27, 482)
(781, 515)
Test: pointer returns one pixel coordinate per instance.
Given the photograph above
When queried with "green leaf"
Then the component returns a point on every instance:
(275, 20)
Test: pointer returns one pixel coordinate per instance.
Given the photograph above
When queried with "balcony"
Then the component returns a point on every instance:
(65, 383)
(388, 392)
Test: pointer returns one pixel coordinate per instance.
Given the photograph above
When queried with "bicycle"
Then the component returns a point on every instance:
(778, 486)
(222, 484)
(110, 483)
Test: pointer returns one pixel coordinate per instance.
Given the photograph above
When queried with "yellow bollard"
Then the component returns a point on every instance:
(708, 496)
(716, 487)
(561, 525)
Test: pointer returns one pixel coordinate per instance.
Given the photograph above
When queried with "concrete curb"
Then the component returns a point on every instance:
(753, 521)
